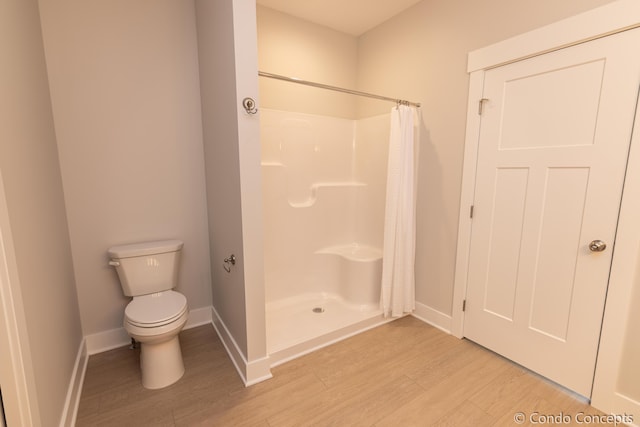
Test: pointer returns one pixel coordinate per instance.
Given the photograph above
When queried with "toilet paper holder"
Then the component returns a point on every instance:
(229, 262)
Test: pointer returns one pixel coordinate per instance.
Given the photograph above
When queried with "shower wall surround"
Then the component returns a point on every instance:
(324, 188)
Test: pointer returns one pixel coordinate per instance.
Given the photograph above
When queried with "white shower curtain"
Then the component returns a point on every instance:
(397, 294)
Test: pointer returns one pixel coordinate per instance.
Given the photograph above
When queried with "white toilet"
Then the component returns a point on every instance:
(148, 272)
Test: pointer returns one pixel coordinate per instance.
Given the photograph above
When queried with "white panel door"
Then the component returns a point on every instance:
(554, 140)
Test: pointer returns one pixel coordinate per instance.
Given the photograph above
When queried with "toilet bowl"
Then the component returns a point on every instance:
(148, 272)
(155, 321)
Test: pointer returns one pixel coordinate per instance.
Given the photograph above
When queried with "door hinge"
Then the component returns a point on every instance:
(471, 212)
(480, 104)
(464, 305)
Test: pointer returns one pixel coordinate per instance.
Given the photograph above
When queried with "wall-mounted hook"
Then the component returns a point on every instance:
(249, 105)
(229, 262)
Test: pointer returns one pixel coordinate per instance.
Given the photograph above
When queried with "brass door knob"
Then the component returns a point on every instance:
(597, 246)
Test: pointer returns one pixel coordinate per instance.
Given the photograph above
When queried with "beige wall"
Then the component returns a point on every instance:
(33, 187)
(221, 148)
(421, 55)
(126, 103)
(228, 70)
(228, 63)
(296, 48)
(246, 60)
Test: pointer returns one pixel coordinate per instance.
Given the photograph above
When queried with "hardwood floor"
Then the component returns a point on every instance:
(405, 373)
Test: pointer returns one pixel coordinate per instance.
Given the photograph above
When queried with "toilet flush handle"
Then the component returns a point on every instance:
(114, 263)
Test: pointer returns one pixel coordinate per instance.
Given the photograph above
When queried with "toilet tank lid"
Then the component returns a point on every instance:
(145, 248)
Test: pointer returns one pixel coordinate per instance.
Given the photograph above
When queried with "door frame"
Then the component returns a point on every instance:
(16, 373)
(610, 19)
(624, 276)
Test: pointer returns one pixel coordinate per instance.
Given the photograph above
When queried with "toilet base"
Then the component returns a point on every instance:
(160, 356)
(161, 363)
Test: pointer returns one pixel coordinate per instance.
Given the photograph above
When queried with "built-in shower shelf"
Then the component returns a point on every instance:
(276, 164)
(353, 252)
(313, 193)
(357, 270)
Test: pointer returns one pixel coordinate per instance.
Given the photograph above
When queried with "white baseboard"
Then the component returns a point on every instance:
(258, 371)
(114, 338)
(107, 340)
(433, 317)
(72, 401)
(250, 372)
(199, 317)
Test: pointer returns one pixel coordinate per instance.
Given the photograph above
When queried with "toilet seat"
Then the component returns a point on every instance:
(155, 310)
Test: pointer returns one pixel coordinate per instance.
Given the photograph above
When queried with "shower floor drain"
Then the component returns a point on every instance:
(318, 310)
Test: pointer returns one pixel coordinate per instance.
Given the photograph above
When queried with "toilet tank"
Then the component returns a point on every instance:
(145, 268)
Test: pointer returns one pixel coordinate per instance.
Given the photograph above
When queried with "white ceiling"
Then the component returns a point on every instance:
(353, 17)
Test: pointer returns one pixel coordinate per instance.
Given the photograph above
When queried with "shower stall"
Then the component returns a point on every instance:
(324, 184)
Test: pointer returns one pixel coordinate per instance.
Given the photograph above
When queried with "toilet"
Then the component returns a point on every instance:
(148, 272)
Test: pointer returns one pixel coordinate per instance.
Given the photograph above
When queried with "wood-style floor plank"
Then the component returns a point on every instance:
(404, 373)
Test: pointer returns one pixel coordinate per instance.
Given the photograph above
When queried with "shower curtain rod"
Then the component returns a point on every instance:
(335, 88)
